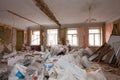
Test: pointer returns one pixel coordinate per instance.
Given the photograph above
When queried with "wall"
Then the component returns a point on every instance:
(82, 36)
(5, 33)
(116, 28)
(25, 36)
(9, 34)
(20, 39)
(62, 35)
(112, 28)
(85, 37)
(108, 31)
(42, 37)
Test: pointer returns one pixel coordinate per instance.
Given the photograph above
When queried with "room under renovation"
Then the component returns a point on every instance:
(59, 39)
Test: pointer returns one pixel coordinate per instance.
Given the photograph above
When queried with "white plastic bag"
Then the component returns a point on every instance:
(96, 75)
(72, 70)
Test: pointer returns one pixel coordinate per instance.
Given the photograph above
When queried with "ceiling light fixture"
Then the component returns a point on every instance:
(89, 20)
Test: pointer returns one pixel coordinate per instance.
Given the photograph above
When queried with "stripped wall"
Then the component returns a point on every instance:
(6, 33)
(81, 35)
(112, 28)
(116, 28)
(9, 34)
(108, 31)
(20, 39)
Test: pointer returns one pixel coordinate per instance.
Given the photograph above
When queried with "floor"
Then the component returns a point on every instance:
(111, 76)
(110, 72)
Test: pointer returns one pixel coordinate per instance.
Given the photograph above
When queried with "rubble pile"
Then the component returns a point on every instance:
(56, 64)
(109, 52)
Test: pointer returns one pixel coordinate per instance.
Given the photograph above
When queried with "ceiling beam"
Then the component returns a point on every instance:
(22, 17)
(44, 7)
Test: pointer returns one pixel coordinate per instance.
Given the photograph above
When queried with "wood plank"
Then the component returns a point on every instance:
(109, 55)
(44, 7)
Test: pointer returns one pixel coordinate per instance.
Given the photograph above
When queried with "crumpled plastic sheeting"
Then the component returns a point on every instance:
(72, 70)
(68, 67)
(13, 60)
(96, 75)
(29, 66)
(66, 70)
(57, 49)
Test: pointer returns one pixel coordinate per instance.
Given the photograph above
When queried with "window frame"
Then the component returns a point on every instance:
(48, 44)
(100, 34)
(72, 36)
(32, 31)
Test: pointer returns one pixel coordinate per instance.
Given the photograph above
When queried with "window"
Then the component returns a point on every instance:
(52, 37)
(72, 37)
(35, 37)
(95, 37)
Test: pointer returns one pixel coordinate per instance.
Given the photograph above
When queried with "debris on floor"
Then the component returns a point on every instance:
(51, 66)
(35, 65)
(108, 52)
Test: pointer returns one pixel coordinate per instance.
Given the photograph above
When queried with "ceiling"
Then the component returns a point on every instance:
(67, 12)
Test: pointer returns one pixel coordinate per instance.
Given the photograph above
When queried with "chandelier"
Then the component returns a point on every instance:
(89, 20)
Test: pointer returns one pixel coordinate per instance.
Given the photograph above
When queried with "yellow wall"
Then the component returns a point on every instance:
(116, 27)
(7, 35)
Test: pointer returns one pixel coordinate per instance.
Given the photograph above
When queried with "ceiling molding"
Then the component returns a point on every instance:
(23, 17)
(77, 25)
(44, 7)
(84, 25)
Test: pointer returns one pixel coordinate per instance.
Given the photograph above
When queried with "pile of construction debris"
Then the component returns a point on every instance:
(56, 64)
(108, 52)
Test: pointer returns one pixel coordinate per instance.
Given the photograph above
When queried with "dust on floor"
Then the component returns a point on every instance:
(110, 72)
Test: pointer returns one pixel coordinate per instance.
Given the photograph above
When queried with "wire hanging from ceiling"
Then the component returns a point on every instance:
(90, 19)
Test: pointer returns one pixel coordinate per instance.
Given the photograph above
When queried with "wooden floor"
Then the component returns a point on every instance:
(111, 76)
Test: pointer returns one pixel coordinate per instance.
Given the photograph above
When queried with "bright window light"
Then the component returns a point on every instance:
(52, 37)
(95, 37)
(72, 37)
(35, 37)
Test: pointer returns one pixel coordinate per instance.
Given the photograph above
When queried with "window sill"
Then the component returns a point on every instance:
(94, 46)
